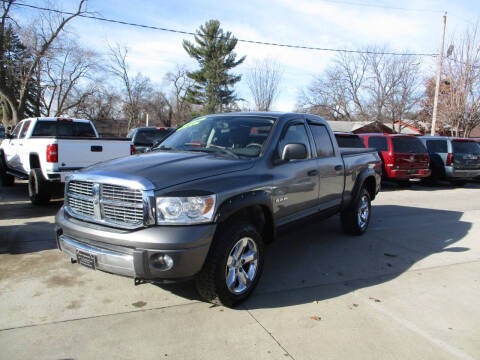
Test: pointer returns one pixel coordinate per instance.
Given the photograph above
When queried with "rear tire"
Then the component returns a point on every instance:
(39, 190)
(219, 281)
(5, 179)
(355, 220)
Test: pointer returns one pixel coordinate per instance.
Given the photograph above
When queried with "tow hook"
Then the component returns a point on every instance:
(73, 261)
(138, 281)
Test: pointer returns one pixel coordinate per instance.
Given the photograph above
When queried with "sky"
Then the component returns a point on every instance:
(339, 24)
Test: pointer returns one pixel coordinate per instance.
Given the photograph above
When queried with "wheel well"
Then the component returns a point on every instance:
(370, 185)
(34, 161)
(259, 216)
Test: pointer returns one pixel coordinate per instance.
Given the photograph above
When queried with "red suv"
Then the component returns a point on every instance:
(404, 156)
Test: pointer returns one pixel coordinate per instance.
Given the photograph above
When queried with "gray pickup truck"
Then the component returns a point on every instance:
(207, 200)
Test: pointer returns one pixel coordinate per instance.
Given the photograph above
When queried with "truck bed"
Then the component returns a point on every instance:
(355, 151)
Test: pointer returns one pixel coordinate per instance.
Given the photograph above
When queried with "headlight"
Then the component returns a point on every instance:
(185, 210)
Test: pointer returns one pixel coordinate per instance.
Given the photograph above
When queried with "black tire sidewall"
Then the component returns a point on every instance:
(38, 188)
(349, 218)
(221, 248)
(5, 179)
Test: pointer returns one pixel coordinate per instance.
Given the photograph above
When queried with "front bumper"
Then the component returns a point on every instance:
(131, 253)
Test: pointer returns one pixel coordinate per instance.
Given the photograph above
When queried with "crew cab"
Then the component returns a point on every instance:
(454, 159)
(206, 201)
(45, 150)
(404, 156)
(144, 138)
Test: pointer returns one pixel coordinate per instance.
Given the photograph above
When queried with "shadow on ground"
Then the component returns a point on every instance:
(316, 261)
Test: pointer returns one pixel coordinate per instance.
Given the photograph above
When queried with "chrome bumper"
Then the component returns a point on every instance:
(105, 260)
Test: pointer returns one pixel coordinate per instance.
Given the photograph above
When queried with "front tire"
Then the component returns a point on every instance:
(39, 190)
(233, 266)
(355, 220)
(5, 179)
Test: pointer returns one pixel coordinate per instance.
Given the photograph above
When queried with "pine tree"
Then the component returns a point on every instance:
(213, 83)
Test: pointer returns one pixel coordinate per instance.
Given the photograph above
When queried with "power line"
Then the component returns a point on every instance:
(240, 40)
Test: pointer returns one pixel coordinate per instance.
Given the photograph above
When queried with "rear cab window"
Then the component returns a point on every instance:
(149, 136)
(349, 141)
(437, 146)
(63, 129)
(465, 147)
(25, 128)
(379, 143)
(408, 144)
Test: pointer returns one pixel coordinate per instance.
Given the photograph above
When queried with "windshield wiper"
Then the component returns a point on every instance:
(217, 148)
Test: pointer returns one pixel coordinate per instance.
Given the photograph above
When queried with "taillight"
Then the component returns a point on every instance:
(52, 153)
(132, 149)
(449, 161)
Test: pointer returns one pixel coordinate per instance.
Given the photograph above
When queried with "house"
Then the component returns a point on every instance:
(360, 127)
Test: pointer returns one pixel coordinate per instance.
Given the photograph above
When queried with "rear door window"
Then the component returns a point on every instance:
(323, 143)
(465, 147)
(378, 142)
(408, 144)
(25, 128)
(437, 146)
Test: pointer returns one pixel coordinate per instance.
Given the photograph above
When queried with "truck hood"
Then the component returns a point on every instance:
(165, 169)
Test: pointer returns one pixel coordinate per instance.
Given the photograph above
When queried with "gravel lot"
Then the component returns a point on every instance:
(409, 288)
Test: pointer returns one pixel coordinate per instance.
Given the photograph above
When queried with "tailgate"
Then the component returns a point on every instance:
(80, 153)
(466, 154)
(412, 161)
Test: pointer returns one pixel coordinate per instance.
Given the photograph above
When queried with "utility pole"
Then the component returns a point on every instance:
(439, 74)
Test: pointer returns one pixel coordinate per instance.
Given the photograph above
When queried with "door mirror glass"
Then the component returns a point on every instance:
(295, 151)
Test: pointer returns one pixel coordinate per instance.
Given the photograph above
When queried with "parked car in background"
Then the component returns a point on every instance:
(453, 159)
(144, 138)
(204, 204)
(45, 150)
(404, 156)
(349, 140)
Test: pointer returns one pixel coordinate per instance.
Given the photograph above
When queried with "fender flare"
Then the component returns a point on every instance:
(242, 201)
(364, 175)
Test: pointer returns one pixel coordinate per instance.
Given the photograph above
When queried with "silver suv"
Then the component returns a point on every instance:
(453, 159)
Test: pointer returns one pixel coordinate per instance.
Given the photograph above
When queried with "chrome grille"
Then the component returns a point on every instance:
(81, 188)
(121, 194)
(105, 203)
(81, 206)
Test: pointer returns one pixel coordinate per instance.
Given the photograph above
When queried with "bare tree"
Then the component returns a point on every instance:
(136, 88)
(65, 71)
(263, 80)
(460, 100)
(45, 38)
(179, 84)
(368, 86)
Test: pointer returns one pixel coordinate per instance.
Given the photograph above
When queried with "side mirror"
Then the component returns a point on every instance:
(294, 151)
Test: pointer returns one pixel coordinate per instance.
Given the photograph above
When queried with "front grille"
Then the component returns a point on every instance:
(105, 203)
(81, 206)
(80, 188)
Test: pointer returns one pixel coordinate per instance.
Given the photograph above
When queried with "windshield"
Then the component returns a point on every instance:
(349, 141)
(149, 136)
(408, 145)
(466, 147)
(236, 135)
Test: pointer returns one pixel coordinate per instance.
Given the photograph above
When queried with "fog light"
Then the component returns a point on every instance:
(161, 261)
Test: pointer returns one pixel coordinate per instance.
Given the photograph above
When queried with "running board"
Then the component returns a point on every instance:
(17, 174)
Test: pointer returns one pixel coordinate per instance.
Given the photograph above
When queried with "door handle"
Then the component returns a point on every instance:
(338, 167)
(312, 173)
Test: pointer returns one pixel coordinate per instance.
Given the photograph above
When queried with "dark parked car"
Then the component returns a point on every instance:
(145, 137)
(453, 159)
(349, 140)
(404, 156)
(204, 204)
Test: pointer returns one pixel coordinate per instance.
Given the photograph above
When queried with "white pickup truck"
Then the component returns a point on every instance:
(45, 150)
